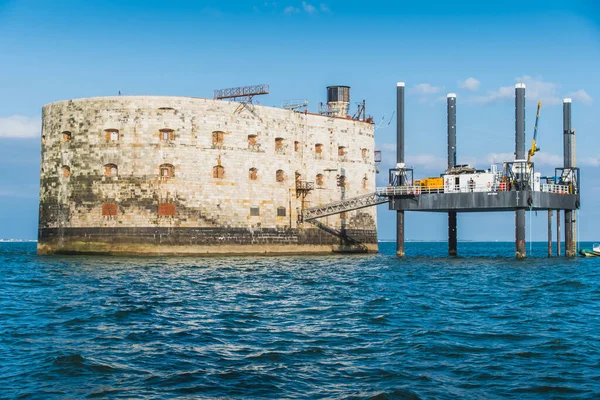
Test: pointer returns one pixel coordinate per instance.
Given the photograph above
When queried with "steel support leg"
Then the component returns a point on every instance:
(400, 234)
(520, 234)
(452, 240)
(557, 233)
(569, 242)
(550, 233)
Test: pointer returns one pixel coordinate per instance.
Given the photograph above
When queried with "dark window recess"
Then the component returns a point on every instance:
(167, 135)
(111, 170)
(166, 210)
(166, 171)
(111, 135)
(279, 176)
(109, 209)
(218, 172)
(281, 211)
(319, 179)
(253, 174)
(218, 137)
(254, 211)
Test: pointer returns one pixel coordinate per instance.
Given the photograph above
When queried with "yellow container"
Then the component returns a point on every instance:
(431, 183)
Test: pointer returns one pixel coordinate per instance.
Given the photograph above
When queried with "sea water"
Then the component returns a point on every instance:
(482, 325)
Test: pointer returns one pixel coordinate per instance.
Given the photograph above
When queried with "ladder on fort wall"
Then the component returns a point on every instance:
(311, 214)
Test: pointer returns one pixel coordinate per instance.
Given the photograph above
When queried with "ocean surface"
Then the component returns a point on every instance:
(352, 327)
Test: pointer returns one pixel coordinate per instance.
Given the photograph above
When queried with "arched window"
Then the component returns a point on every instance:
(281, 211)
(365, 182)
(296, 146)
(111, 135)
(279, 176)
(253, 142)
(67, 136)
(109, 210)
(218, 172)
(318, 151)
(218, 138)
(166, 171)
(319, 179)
(66, 171)
(279, 145)
(167, 135)
(111, 170)
(341, 151)
(253, 174)
(364, 153)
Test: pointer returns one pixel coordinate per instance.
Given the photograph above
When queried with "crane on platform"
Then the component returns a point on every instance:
(534, 149)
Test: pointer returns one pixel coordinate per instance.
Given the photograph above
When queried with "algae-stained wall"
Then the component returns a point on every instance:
(148, 174)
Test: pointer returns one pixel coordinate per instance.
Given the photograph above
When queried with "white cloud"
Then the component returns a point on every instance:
(580, 96)
(426, 88)
(470, 83)
(19, 126)
(503, 93)
(536, 90)
(491, 158)
(539, 90)
(391, 147)
(290, 10)
(589, 162)
(308, 8)
(427, 162)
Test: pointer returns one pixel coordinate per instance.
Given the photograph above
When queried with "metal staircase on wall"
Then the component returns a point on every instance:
(347, 243)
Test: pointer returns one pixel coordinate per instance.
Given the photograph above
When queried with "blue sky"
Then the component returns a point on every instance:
(69, 49)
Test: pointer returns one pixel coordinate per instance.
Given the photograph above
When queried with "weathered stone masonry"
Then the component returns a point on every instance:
(176, 175)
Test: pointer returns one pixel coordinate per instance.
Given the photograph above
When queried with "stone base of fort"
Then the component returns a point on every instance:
(200, 241)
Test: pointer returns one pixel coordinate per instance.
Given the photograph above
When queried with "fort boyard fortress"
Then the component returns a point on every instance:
(192, 176)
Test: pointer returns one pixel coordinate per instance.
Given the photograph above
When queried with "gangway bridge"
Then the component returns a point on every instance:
(337, 207)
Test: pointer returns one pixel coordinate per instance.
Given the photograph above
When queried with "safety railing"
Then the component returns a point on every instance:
(554, 188)
(413, 190)
(470, 188)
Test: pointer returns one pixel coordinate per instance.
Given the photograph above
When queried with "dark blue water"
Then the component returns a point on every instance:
(300, 327)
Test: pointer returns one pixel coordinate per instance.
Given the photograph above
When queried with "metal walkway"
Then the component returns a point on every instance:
(354, 203)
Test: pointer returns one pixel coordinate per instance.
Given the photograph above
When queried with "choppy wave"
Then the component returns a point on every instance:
(353, 327)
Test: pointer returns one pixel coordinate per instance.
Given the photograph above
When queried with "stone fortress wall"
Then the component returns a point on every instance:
(178, 175)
